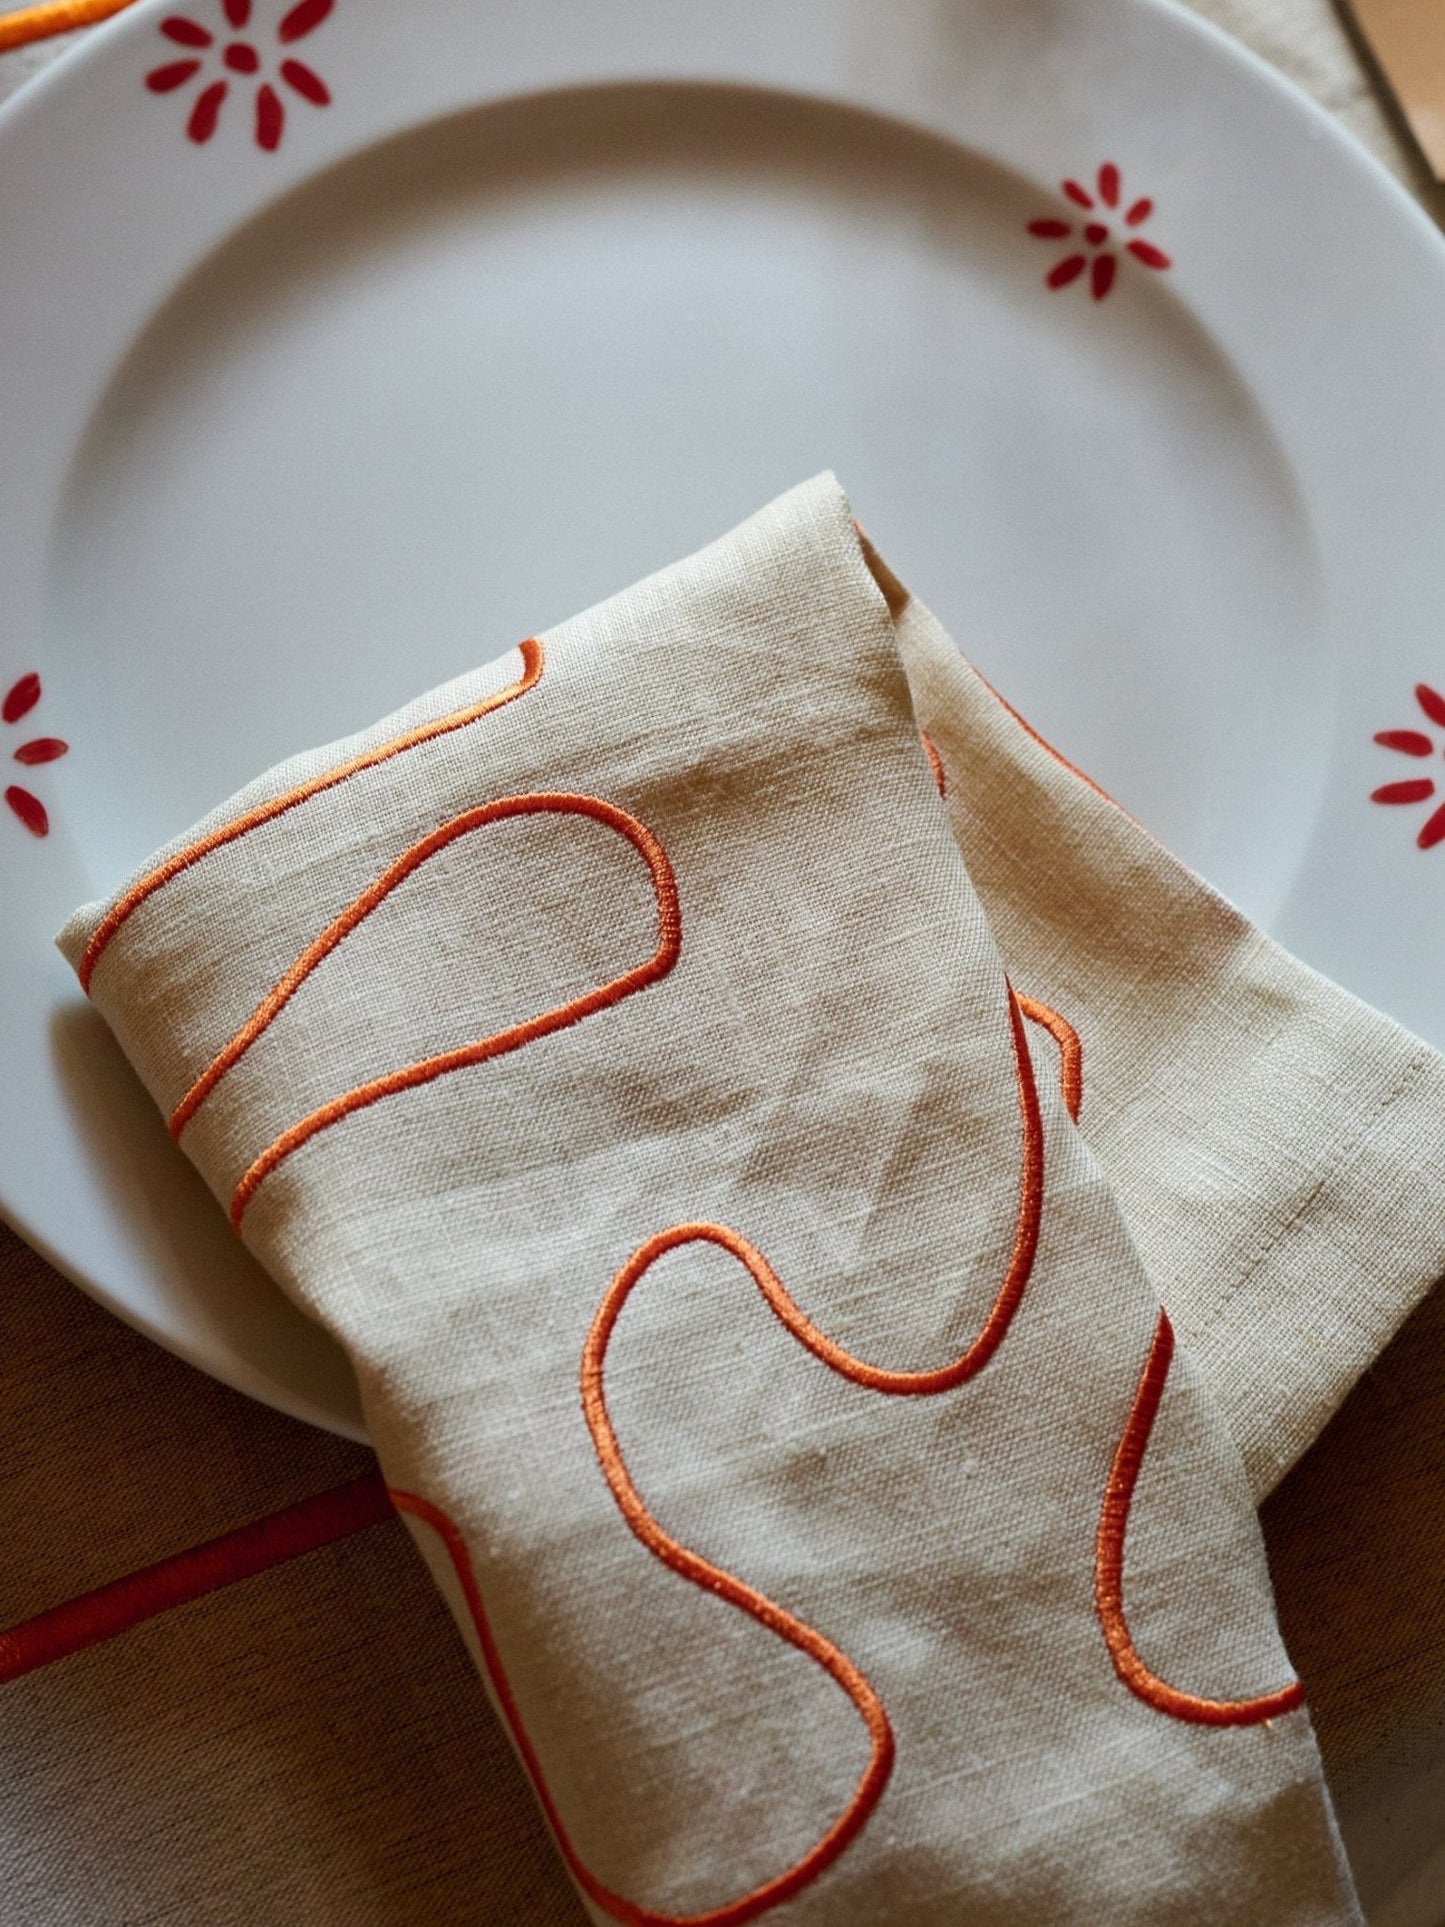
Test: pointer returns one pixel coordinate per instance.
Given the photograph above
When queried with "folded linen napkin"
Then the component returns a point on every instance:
(611, 1050)
(1277, 1147)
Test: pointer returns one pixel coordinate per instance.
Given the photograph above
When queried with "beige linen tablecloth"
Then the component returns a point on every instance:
(308, 1744)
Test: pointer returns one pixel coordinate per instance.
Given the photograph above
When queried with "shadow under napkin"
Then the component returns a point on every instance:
(1356, 1539)
(308, 1745)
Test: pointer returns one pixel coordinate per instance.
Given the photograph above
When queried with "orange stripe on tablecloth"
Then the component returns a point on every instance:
(53, 16)
(112, 1609)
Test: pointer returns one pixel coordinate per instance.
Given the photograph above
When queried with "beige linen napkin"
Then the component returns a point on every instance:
(1277, 1147)
(612, 1051)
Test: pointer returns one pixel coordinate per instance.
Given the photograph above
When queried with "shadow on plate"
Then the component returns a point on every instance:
(235, 1316)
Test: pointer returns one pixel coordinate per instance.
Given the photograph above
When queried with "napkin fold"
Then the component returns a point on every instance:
(613, 1051)
(1277, 1147)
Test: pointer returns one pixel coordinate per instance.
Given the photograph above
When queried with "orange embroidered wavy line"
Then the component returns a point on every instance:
(1071, 1052)
(875, 1378)
(732, 1915)
(1048, 748)
(25, 24)
(935, 763)
(1119, 1494)
(702, 1572)
(1109, 1569)
(125, 906)
(669, 942)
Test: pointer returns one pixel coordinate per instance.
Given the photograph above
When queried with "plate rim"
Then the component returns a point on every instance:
(93, 54)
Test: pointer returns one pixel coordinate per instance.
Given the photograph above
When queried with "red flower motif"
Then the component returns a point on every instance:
(19, 700)
(240, 58)
(1416, 789)
(1094, 245)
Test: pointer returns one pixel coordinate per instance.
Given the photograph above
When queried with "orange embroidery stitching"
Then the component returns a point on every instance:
(1034, 736)
(1071, 1051)
(735, 1913)
(1109, 1569)
(935, 762)
(876, 1378)
(1118, 1497)
(125, 906)
(714, 1579)
(701, 1572)
(51, 17)
(669, 943)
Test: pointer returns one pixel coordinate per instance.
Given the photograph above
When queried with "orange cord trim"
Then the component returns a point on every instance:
(514, 1037)
(25, 24)
(735, 1913)
(735, 1592)
(533, 660)
(1071, 1051)
(1109, 1569)
(874, 1378)
(935, 762)
(1048, 748)
(701, 1572)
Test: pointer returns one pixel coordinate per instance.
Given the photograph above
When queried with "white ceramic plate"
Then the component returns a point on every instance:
(303, 416)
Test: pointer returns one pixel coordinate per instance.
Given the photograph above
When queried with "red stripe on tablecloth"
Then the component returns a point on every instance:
(115, 1608)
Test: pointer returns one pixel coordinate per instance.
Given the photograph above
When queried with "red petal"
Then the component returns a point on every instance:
(1151, 256)
(1065, 272)
(1102, 278)
(303, 18)
(1080, 196)
(207, 111)
(270, 119)
(186, 33)
(1408, 741)
(1139, 212)
(1415, 791)
(238, 12)
(1434, 830)
(1432, 702)
(43, 749)
(309, 85)
(161, 80)
(1109, 184)
(21, 699)
(29, 809)
(1046, 230)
